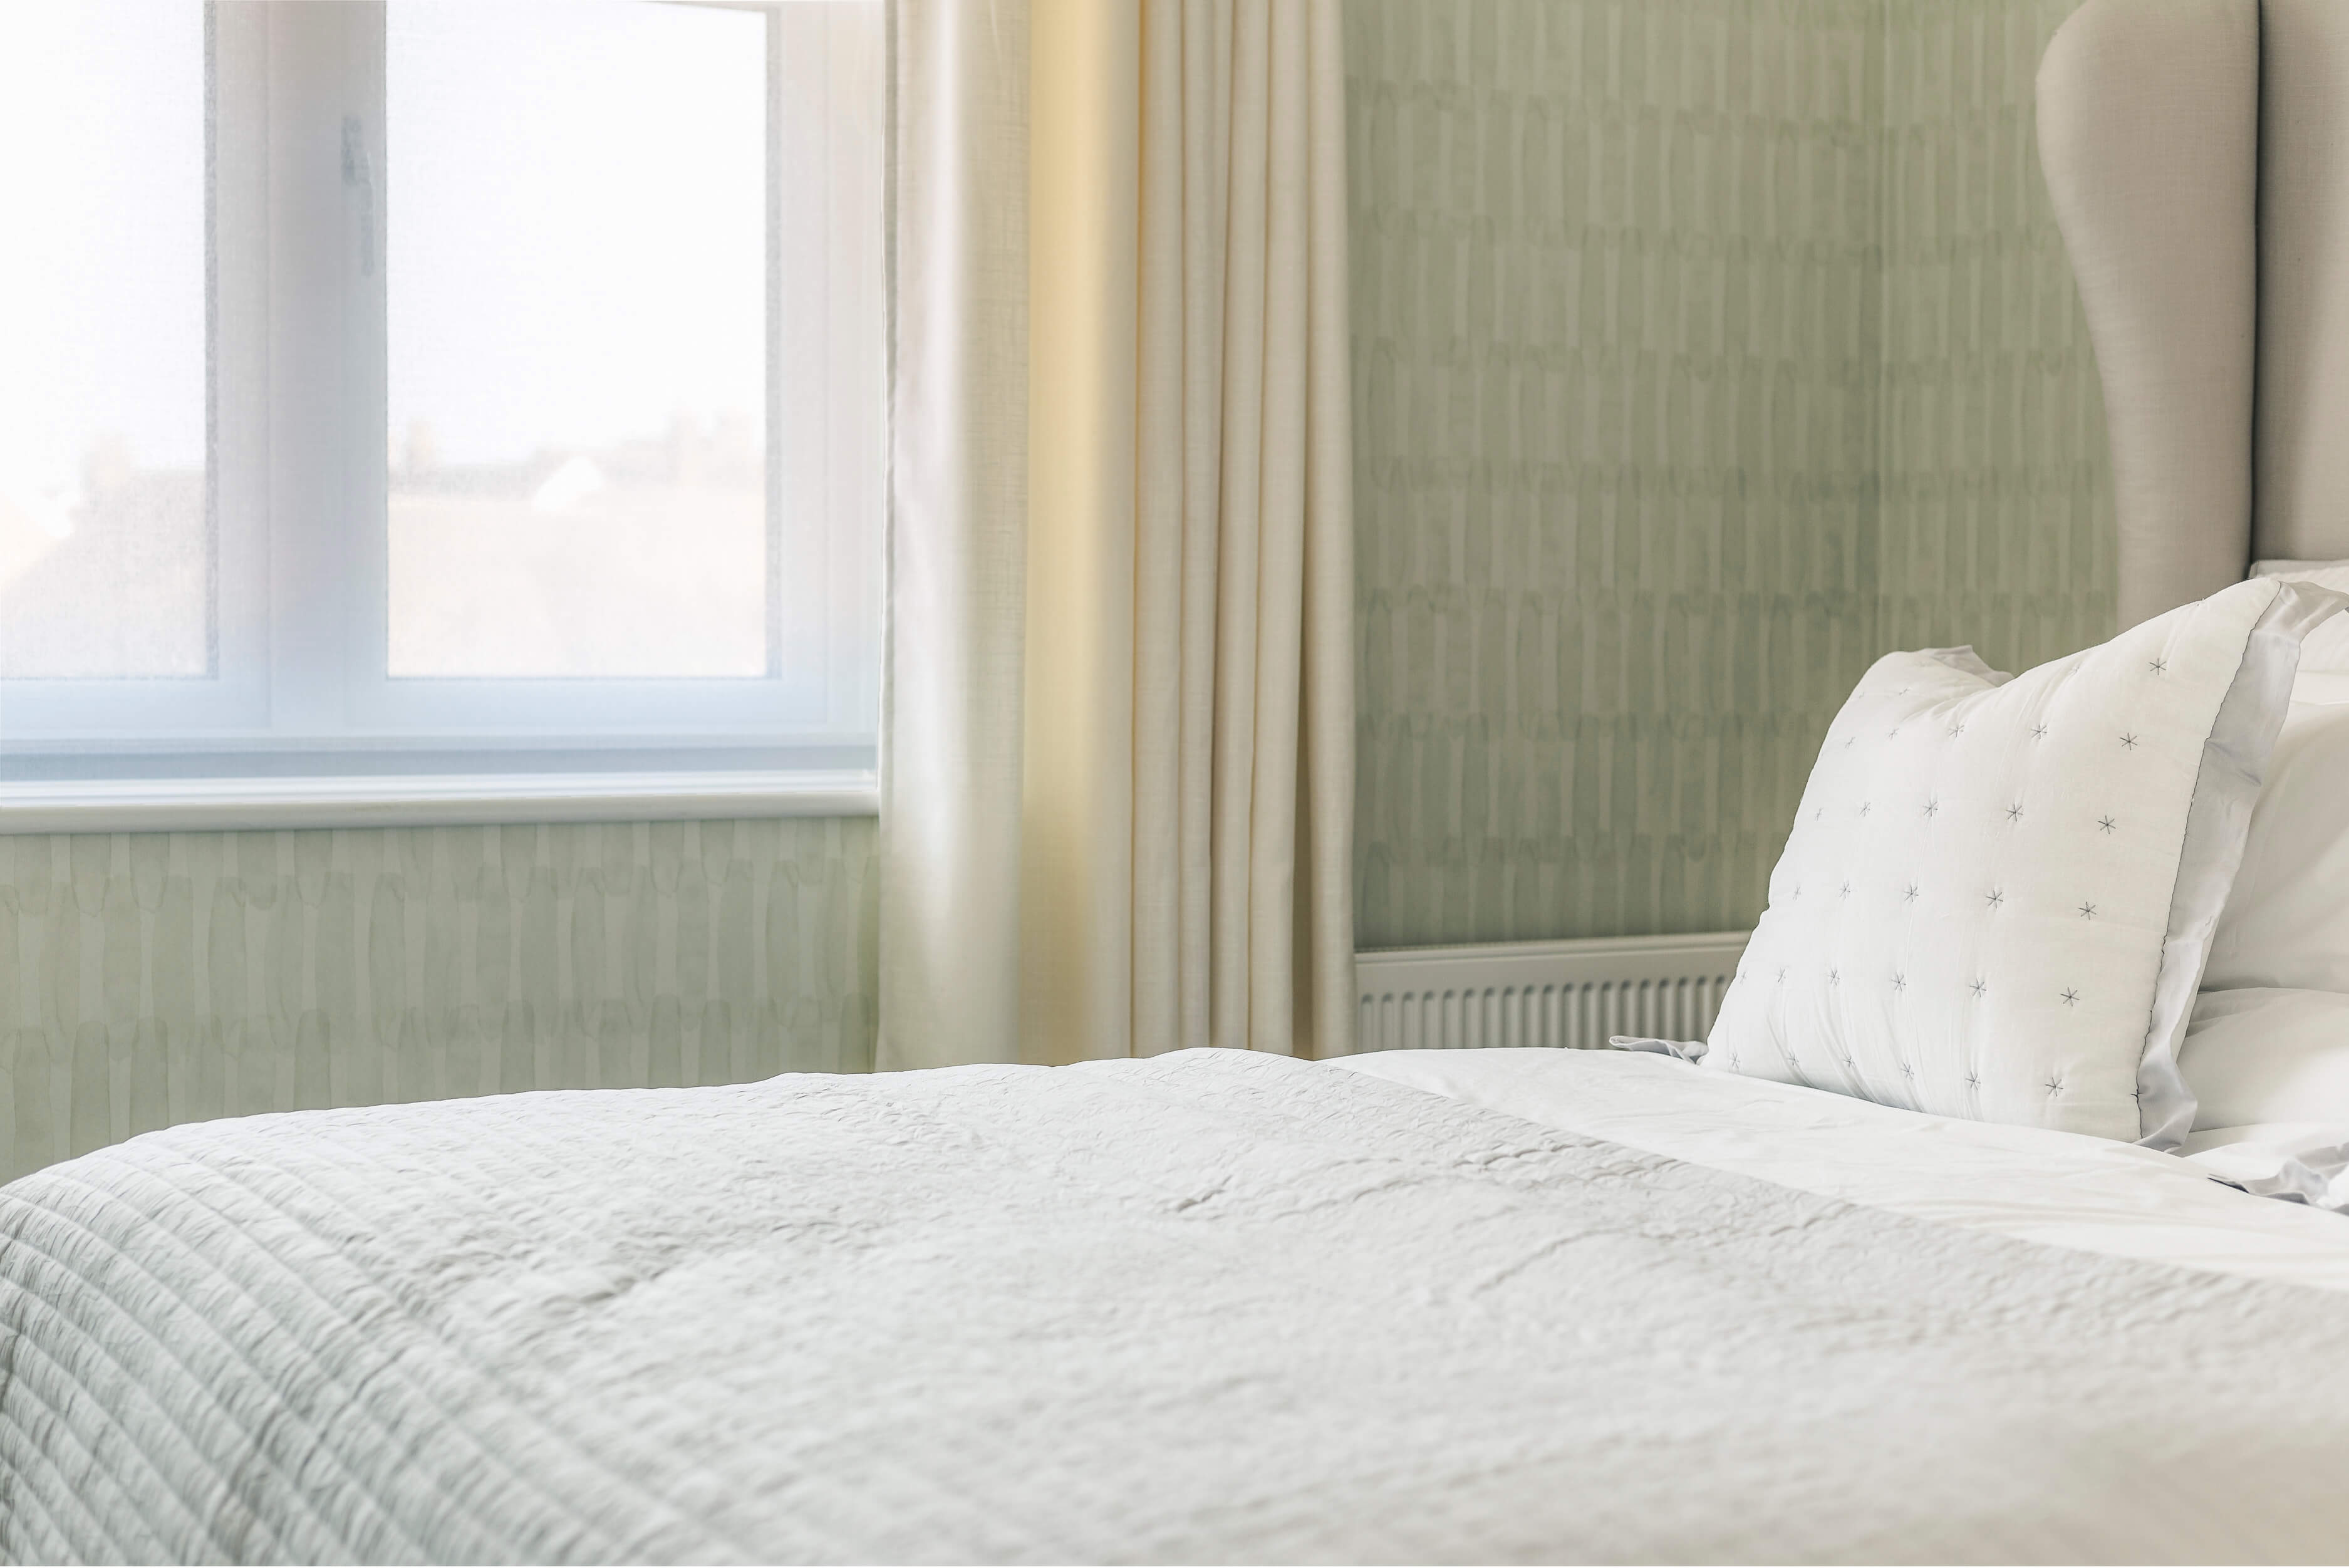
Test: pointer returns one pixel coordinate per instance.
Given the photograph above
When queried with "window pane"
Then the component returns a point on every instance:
(105, 548)
(576, 233)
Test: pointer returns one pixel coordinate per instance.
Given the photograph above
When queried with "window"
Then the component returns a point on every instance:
(438, 387)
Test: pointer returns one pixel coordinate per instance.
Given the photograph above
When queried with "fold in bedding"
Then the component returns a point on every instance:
(1213, 1307)
(2036, 1183)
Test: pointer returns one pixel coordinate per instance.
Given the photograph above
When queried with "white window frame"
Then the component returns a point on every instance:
(290, 729)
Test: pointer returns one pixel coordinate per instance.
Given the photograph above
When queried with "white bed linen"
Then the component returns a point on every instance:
(2064, 1189)
(2300, 1162)
(1215, 1306)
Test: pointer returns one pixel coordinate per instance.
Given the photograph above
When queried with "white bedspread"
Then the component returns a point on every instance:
(2029, 1183)
(1213, 1307)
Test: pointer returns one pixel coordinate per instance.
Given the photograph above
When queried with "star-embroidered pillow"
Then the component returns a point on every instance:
(1998, 894)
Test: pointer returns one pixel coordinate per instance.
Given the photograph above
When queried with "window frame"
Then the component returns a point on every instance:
(297, 314)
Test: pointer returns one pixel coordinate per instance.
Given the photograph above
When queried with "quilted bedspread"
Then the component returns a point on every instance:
(1212, 1306)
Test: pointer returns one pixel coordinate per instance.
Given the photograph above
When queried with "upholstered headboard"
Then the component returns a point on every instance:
(2197, 155)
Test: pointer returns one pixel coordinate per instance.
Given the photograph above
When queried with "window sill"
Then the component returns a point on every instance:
(217, 805)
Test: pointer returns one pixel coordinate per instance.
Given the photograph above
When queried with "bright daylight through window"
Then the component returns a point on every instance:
(463, 389)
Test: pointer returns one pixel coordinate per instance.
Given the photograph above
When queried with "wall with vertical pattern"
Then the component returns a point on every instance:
(1615, 353)
(147, 979)
(1703, 350)
(1997, 498)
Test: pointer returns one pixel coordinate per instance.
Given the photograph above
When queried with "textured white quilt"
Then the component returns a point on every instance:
(1211, 1306)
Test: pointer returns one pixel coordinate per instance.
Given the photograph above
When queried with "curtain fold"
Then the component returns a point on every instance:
(1131, 665)
(956, 532)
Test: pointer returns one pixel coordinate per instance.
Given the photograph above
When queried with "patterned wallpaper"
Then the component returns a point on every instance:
(1998, 518)
(1703, 350)
(148, 979)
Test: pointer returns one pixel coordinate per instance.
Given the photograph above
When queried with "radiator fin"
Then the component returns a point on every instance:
(1570, 995)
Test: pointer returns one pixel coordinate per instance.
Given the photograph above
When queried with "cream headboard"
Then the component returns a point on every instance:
(2197, 155)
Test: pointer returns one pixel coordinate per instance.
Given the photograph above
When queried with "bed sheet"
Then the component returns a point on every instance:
(2038, 1185)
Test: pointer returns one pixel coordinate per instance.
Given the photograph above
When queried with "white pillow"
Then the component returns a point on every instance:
(2269, 1042)
(2286, 923)
(1996, 900)
(2265, 1053)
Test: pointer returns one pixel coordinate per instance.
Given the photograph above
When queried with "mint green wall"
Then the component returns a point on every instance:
(1997, 505)
(147, 979)
(1702, 350)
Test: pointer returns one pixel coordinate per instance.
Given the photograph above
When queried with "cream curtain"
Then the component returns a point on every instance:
(1117, 778)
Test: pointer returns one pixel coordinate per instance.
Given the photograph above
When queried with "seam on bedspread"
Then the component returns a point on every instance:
(605, 1468)
(351, 1387)
(357, 1407)
(106, 1353)
(201, 1387)
(609, 1471)
(99, 1529)
(58, 1547)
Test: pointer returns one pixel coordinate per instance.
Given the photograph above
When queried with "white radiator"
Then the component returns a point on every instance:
(1571, 993)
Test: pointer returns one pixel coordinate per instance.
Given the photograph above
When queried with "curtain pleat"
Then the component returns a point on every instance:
(1185, 739)
(1264, 955)
(1325, 896)
(1206, 141)
(1162, 510)
(1077, 882)
(953, 668)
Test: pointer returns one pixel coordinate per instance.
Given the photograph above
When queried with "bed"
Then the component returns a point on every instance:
(1491, 1305)
(1213, 1307)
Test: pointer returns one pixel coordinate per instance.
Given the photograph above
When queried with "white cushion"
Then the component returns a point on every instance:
(2286, 923)
(2269, 1041)
(2263, 1054)
(2267, 1053)
(1997, 899)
